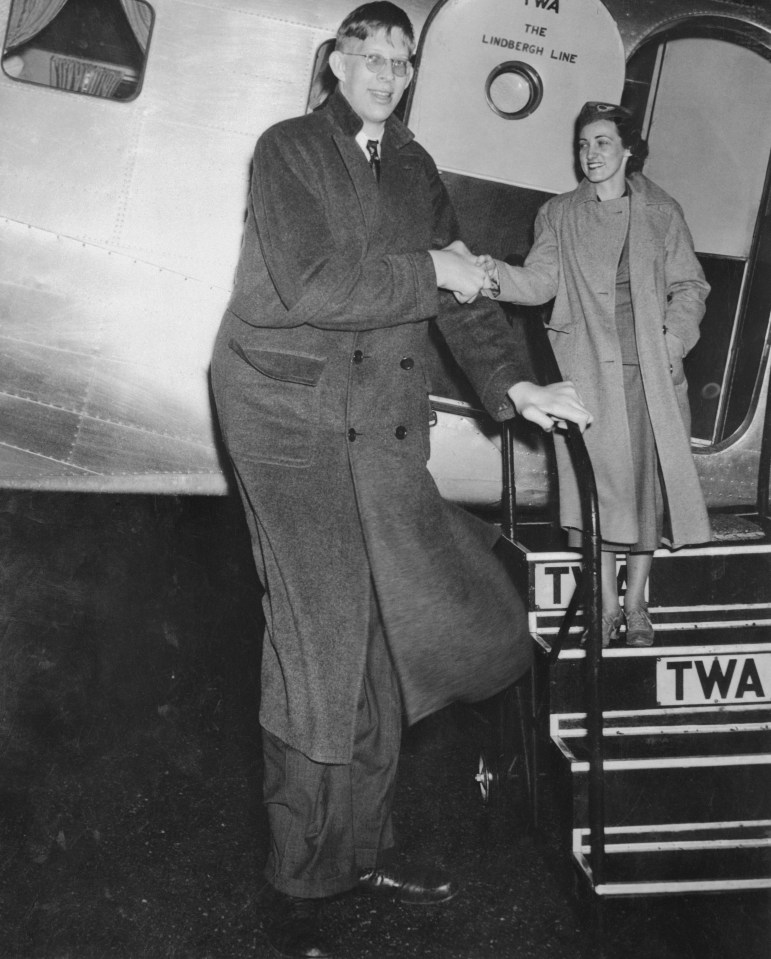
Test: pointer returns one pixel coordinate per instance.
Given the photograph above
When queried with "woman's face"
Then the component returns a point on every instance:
(602, 155)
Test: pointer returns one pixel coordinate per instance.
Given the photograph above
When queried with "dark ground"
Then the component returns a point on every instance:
(130, 822)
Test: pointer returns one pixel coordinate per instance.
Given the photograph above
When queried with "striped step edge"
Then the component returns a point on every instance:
(628, 652)
(704, 760)
(714, 549)
(670, 618)
(679, 721)
(686, 840)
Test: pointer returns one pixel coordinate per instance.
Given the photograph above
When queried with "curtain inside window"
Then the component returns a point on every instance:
(29, 17)
(140, 17)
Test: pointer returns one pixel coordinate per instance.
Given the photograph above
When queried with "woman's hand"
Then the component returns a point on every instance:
(492, 286)
(550, 406)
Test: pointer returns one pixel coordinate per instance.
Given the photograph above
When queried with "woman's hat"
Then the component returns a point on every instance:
(597, 110)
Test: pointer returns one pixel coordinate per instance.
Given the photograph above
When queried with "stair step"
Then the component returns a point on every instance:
(716, 747)
(680, 858)
(714, 585)
(737, 528)
(728, 633)
(672, 624)
(687, 676)
(686, 835)
(715, 775)
(733, 527)
(681, 722)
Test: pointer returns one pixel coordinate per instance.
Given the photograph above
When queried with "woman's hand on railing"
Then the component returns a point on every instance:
(550, 406)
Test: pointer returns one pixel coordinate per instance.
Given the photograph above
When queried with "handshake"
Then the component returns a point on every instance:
(468, 276)
(463, 273)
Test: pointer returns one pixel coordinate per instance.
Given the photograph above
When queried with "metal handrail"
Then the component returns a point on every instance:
(549, 372)
(764, 465)
(592, 592)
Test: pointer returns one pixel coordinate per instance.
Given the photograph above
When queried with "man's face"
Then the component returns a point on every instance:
(373, 96)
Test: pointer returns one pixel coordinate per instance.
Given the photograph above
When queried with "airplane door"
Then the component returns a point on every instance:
(706, 119)
(500, 83)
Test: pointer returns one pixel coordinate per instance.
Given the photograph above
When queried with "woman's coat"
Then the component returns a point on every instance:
(568, 263)
(320, 382)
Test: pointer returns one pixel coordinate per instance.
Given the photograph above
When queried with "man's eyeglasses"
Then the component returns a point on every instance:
(375, 62)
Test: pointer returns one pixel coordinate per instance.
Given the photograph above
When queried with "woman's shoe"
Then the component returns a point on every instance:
(611, 624)
(639, 628)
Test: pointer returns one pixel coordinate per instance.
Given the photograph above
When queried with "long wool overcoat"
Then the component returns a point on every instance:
(574, 258)
(320, 385)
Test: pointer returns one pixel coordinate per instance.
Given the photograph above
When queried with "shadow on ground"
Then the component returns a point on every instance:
(130, 821)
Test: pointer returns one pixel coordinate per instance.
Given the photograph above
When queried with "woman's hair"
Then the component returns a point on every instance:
(633, 141)
(373, 17)
(628, 130)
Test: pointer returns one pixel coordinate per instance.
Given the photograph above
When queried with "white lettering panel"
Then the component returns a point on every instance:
(555, 583)
(500, 84)
(701, 680)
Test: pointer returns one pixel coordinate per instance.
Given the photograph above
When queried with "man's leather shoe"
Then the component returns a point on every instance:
(419, 889)
(292, 928)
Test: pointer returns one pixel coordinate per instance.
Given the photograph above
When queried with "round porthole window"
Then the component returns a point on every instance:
(514, 90)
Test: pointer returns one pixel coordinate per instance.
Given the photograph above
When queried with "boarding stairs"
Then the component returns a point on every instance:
(685, 724)
(664, 752)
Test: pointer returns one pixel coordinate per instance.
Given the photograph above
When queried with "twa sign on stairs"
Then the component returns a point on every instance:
(686, 723)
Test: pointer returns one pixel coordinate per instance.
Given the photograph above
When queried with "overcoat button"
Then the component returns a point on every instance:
(351, 434)
(358, 356)
(407, 363)
(400, 432)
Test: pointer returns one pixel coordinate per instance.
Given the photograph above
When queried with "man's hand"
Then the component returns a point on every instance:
(491, 288)
(457, 270)
(550, 406)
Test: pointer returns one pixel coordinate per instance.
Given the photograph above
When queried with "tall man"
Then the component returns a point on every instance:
(380, 597)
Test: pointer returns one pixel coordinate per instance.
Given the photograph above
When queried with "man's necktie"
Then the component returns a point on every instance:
(374, 158)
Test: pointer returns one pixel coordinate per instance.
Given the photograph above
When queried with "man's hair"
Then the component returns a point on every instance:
(370, 18)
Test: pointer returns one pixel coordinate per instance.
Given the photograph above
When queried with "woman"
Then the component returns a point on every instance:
(617, 257)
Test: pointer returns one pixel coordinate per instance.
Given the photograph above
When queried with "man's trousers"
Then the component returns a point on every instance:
(328, 823)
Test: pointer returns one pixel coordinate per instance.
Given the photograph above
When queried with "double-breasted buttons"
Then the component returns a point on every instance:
(400, 432)
(407, 363)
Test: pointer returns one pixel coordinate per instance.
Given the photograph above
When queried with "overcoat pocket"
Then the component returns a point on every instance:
(280, 406)
(676, 352)
(291, 367)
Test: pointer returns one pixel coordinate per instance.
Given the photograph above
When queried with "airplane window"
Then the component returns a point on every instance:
(92, 47)
(323, 80)
(514, 90)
